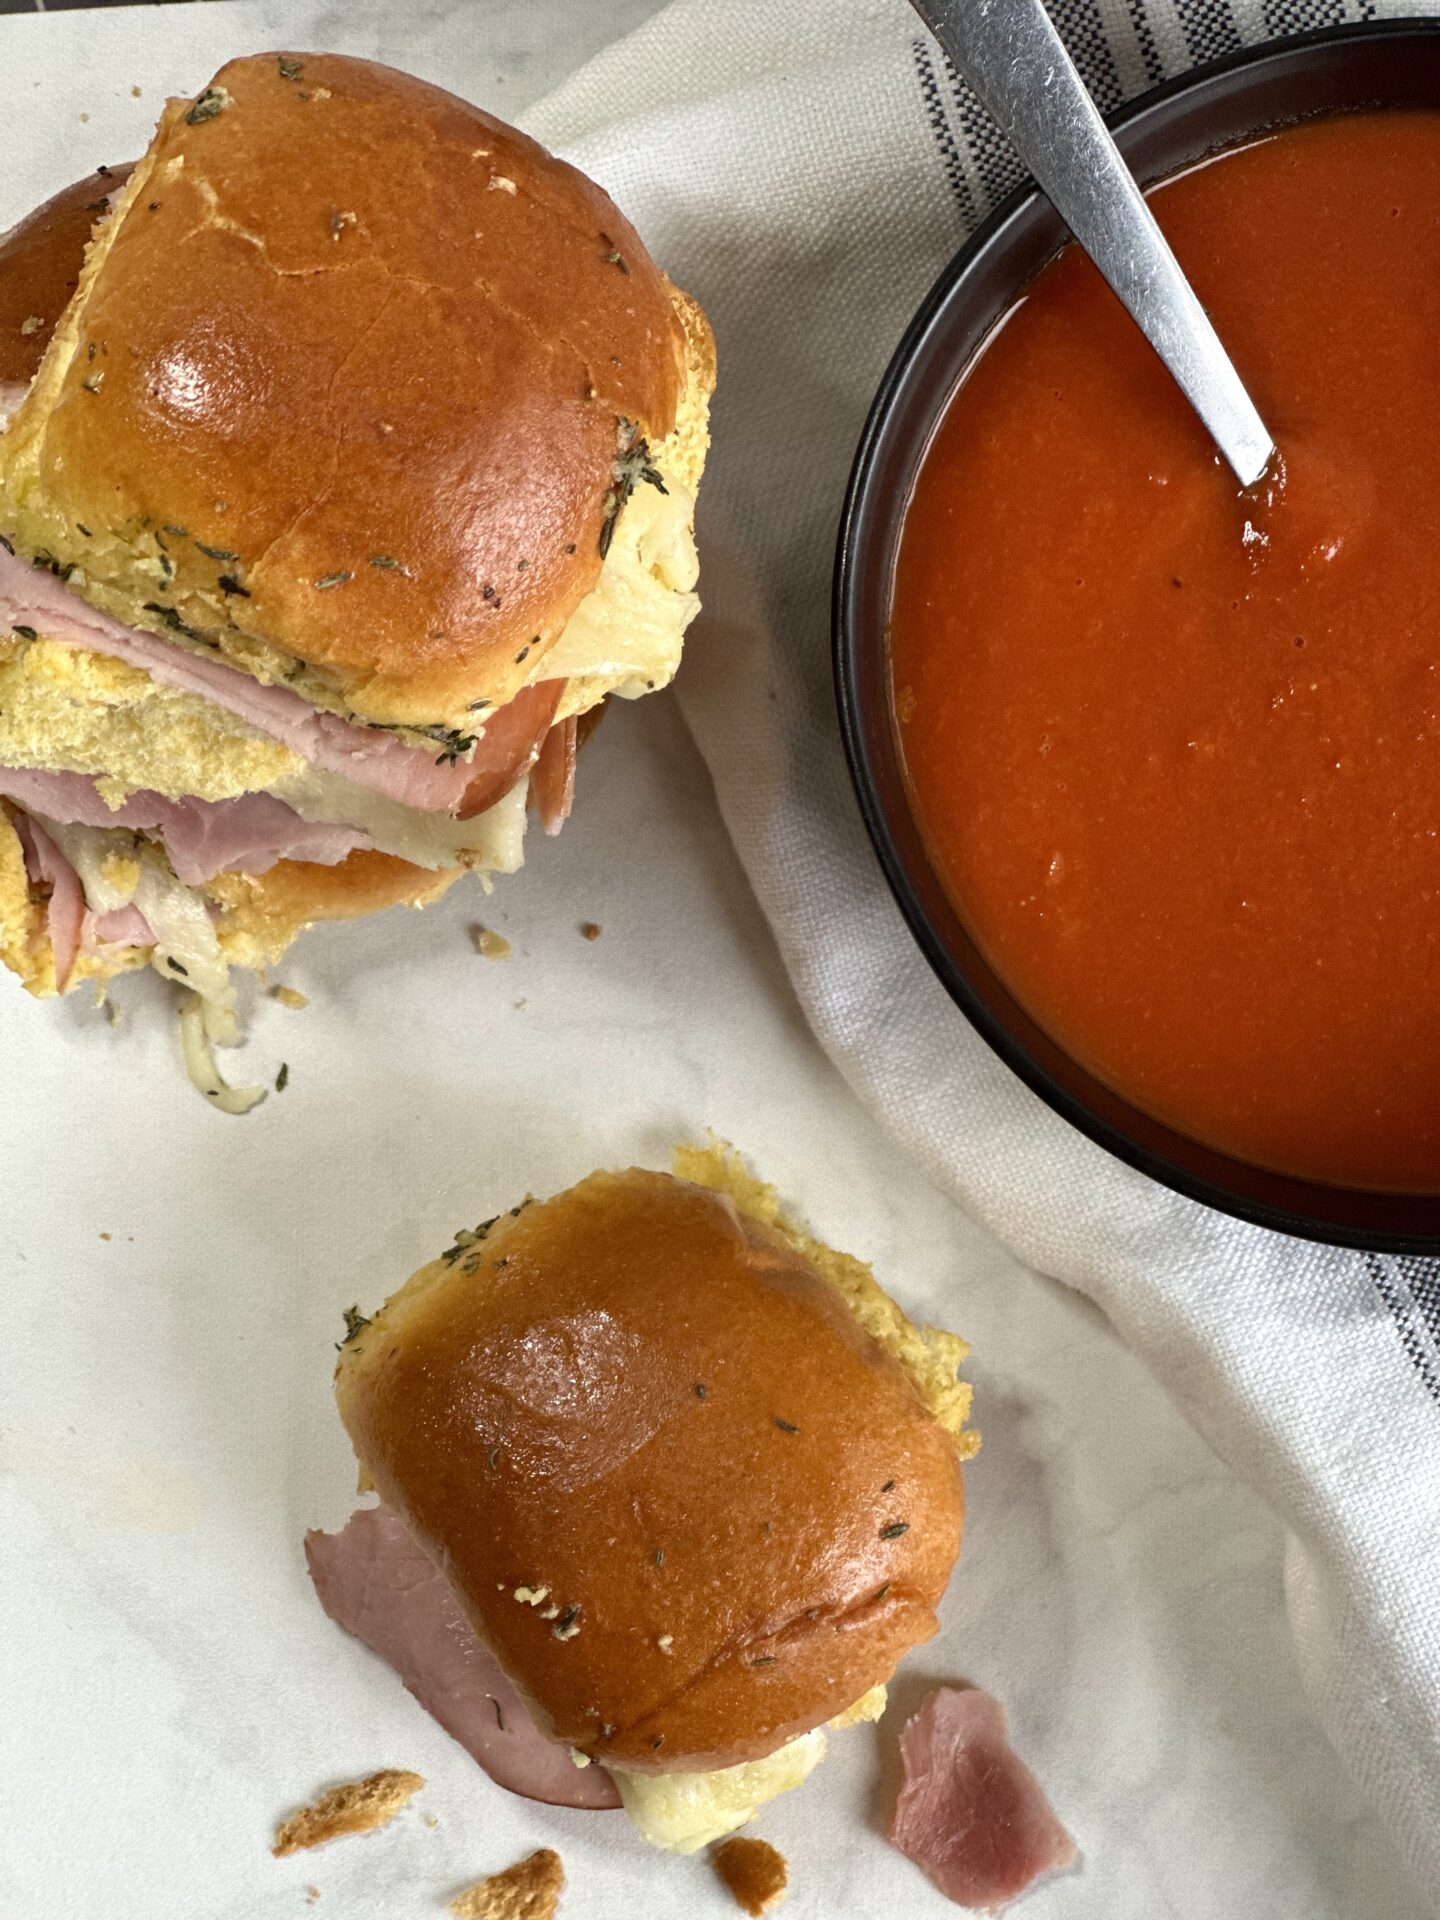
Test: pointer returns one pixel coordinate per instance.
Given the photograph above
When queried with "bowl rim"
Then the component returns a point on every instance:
(849, 637)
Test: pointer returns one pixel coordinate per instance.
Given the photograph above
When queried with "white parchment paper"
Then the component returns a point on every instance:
(172, 1283)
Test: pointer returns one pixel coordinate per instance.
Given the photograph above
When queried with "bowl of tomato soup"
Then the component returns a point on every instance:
(1153, 764)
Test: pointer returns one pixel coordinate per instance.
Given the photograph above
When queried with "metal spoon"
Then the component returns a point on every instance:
(1017, 64)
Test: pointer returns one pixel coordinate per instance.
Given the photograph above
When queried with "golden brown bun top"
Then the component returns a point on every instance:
(370, 347)
(40, 261)
(740, 1509)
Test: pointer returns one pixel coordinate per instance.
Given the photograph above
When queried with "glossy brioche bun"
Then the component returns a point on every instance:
(375, 351)
(691, 1503)
(40, 261)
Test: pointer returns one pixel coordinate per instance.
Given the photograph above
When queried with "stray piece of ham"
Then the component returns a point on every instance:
(51, 874)
(970, 1812)
(247, 834)
(376, 1582)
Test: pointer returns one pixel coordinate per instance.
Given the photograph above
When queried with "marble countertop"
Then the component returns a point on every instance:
(174, 1279)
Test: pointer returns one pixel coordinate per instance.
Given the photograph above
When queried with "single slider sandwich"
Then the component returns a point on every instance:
(357, 472)
(668, 1490)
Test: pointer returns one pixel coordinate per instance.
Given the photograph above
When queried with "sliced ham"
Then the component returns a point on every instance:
(375, 1581)
(202, 837)
(970, 1812)
(33, 597)
(552, 784)
(51, 874)
(120, 927)
(512, 744)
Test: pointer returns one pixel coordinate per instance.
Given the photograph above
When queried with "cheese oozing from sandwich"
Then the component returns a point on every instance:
(683, 1812)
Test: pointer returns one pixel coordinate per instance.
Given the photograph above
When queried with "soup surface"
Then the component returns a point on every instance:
(1175, 749)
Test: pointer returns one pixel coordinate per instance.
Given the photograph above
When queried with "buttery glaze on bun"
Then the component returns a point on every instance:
(694, 1477)
(378, 357)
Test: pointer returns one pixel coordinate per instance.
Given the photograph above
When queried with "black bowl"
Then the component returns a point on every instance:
(1390, 64)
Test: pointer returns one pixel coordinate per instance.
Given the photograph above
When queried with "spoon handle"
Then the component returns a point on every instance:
(1017, 65)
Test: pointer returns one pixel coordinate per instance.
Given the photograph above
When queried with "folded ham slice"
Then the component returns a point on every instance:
(435, 782)
(377, 1583)
(120, 927)
(970, 1812)
(50, 873)
(202, 837)
(552, 784)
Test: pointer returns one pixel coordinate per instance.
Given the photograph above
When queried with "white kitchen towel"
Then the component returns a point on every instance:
(806, 167)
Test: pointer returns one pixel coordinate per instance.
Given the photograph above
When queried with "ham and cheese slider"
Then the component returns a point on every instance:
(669, 1488)
(358, 469)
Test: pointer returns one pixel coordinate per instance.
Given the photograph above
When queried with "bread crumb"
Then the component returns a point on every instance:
(105, 1236)
(357, 1807)
(754, 1871)
(135, 95)
(312, 1894)
(85, 118)
(494, 946)
(32, 323)
(530, 1890)
(289, 997)
(499, 184)
(905, 705)
(590, 930)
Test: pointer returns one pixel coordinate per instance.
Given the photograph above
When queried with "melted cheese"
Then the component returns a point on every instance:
(626, 635)
(683, 1812)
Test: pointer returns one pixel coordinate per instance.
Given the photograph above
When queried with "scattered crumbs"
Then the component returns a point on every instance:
(530, 1890)
(520, 1005)
(357, 1807)
(494, 946)
(500, 184)
(135, 95)
(702, 1392)
(282, 1078)
(552, 1612)
(32, 323)
(85, 117)
(289, 997)
(105, 1236)
(905, 705)
(590, 929)
(894, 1530)
(432, 1820)
(786, 1426)
(568, 1625)
(531, 1596)
(339, 221)
(666, 1642)
(754, 1872)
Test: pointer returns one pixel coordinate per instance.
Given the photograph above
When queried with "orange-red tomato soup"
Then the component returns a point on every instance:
(1175, 750)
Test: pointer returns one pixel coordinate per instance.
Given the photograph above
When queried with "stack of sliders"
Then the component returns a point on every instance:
(358, 470)
(668, 1488)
